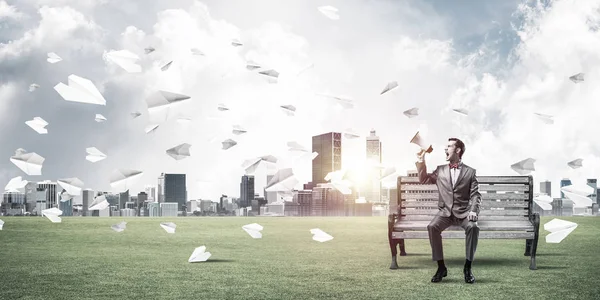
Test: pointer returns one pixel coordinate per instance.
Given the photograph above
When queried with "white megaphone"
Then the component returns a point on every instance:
(419, 141)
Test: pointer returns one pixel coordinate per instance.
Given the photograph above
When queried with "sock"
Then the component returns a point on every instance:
(467, 264)
(441, 264)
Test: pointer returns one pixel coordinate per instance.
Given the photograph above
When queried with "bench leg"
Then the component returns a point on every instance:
(528, 243)
(393, 243)
(536, 228)
(402, 249)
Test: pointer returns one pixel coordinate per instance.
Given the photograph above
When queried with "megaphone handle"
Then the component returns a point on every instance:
(429, 149)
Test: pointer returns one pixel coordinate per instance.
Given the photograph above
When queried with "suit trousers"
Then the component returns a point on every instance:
(441, 223)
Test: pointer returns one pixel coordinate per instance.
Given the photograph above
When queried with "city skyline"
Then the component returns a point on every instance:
(494, 59)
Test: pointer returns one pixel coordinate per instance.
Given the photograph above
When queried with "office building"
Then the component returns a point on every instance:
(87, 198)
(304, 200)
(123, 198)
(154, 209)
(172, 189)
(127, 212)
(30, 196)
(151, 192)
(374, 159)
(546, 188)
(246, 190)
(66, 207)
(329, 147)
(51, 195)
(13, 203)
(168, 209)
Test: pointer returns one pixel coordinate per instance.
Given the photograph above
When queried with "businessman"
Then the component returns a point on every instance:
(459, 204)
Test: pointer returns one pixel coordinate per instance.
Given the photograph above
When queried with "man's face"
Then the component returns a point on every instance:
(452, 153)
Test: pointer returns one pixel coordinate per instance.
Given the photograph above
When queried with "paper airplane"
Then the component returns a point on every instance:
(524, 167)
(169, 227)
(320, 235)
(228, 143)
(135, 114)
(94, 155)
(166, 67)
(294, 146)
(337, 181)
(250, 65)
(545, 118)
(149, 50)
(222, 107)
(99, 118)
(577, 78)
(53, 58)
(330, 12)
(283, 181)
(351, 134)
(184, 121)
(1, 224)
(73, 185)
(196, 51)
(575, 164)
(461, 111)
(390, 86)
(305, 69)
(124, 59)
(289, 110)
(580, 189)
(251, 165)
(119, 227)
(33, 87)
(254, 230)
(151, 128)
(559, 229)
(80, 90)
(38, 125)
(544, 201)
(159, 104)
(64, 196)
(123, 179)
(236, 43)
(99, 203)
(579, 200)
(237, 130)
(411, 113)
(179, 152)
(30, 163)
(270, 73)
(15, 185)
(199, 255)
(344, 102)
(52, 214)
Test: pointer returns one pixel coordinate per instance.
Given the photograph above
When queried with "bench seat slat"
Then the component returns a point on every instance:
(482, 187)
(486, 225)
(433, 212)
(481, 218)
(485, 204)
(481, 179)
(461, 235)
(484, 196)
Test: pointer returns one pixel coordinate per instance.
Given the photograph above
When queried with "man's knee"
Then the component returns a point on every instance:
(433, 227)
(472, 226)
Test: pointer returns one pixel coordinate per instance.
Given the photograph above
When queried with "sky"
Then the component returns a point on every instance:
(503, 61)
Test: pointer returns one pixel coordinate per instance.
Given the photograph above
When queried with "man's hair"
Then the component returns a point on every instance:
(459, 144)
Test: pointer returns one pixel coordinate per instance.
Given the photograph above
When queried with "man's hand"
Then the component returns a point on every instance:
(472, 216)
(421, 155)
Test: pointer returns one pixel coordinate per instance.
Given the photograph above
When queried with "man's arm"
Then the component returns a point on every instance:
(423, 176)
(475, 199)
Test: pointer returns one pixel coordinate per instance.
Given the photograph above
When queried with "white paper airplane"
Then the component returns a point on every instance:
(544, 201)
(149, 50)
(94, 155)
(222, 107)
(294, 146)
(99, 203)
(237, 130)
(99, 118)
(135, 114)
(289, 110)
(330, 12)
(199, 255)
(577, 78)
(559, 229)
(119, 227)
(337, 181)
(123, 179)
(80, 90)
(169, 227)
(342, 101)
(250, 65)
(411, 113)
(268, 161)
(270, 73)
(578, 200)
(196, 51)
(38, 125)
(15, 185)
(179, 152)
(524, 167)
(151, 128)
(1, 224)
(390, 86)
(236, 43)
(575, 164)
(351, 134)
(545, 118)
(461, 111)
(52, 214)
(228, 143)
(125, 59)
(30, 163)
(159, 105)
(73, 185)
(64, 197)
(53, 58)
(283, 181)
(33, 87)
(320, 235)
(166, 67)
(580, 189)
(254, 230)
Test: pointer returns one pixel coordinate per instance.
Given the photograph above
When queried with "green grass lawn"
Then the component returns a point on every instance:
(83, 258)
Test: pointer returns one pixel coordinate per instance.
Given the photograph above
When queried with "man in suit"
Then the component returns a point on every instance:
(459, 204)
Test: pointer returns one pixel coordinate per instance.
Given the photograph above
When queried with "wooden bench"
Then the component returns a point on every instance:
(506, 213)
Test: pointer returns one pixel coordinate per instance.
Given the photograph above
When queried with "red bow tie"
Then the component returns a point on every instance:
(454, 166)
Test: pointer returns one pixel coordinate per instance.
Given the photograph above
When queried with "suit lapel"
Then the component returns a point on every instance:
(461, 174)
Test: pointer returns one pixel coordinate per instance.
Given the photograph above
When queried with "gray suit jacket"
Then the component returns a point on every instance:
(461, 199)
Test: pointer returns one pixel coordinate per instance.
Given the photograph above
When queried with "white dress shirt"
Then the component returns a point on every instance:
(454, 173)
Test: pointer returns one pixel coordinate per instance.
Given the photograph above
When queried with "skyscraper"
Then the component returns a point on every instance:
(87, 199)
(373, 185)
(123, 198)
(246, 190)
(160, 191)
(51, 194)
(564, 182)
(329, 147)
(175, 189)
(546, 188)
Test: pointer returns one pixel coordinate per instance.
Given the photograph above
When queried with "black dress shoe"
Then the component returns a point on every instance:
(439, 275)
(469, 277)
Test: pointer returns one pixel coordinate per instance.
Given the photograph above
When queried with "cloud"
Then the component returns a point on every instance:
(9, 11)
(440, 60)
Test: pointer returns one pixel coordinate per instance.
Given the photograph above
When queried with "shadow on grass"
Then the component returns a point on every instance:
(219, 261)
(416, 254)
(400, 268)
(550, 254)
(550, 267)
